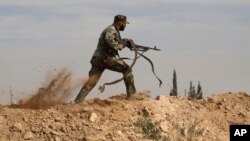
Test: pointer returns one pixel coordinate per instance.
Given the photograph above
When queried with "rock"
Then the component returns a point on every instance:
(228, 108)
(119, 132)
(64, 129)
(164, 127)
(24, 119)
(145, 111)
(58, 119)
(93, 117)
(57, 138)
(28, 135)
(53, 132)
(224, 100)
(1, 119)
(17, 127)
(47, 130)
(35, 130)
(87, 109)
(159, 97)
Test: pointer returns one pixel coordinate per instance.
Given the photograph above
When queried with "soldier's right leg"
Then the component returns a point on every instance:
(119, 65)
(94, 75)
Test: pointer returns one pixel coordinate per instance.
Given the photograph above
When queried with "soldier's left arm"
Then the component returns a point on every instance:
(111, 39)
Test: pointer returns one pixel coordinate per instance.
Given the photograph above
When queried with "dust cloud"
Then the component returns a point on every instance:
(58, 89)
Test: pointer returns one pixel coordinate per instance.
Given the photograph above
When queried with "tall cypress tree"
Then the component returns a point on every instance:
(174, 89)
(199, 92)
(191, 93)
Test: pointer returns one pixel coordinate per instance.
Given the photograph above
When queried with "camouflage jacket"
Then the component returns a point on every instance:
(108, 43)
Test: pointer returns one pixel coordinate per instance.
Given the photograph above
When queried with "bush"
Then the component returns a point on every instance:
(150, 130)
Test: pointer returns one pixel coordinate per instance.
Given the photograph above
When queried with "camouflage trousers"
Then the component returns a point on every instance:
(98, 66)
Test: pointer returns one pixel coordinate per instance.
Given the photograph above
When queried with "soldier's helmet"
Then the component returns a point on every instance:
(120, 18)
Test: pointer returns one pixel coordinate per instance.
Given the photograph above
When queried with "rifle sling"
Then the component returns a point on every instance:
(152, 66)
(151, 63)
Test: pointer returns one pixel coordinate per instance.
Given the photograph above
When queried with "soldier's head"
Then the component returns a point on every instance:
(120, 21)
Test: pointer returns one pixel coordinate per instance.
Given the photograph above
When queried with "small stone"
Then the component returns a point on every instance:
(1, 119)
(158, 97)
(93, 117)
(87, 109)
(64, 129)
(28, 135)
(53, 132)
(58, 119)
(145, 111)
(47, 130)
(228, 108)
(164, 127)
(119, 132)
(17, 127)
(57, 138)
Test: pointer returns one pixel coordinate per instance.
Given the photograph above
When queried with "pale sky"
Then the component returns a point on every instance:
(206, 41)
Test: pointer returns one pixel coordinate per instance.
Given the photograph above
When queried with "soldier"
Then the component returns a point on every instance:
(106, 57)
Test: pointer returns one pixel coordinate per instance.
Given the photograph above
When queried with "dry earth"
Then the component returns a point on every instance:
(115, 119)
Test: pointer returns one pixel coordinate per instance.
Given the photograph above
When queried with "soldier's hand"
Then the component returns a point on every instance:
(120, 46)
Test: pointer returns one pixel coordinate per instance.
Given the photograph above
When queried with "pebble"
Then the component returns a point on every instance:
(18, 126)
(93, 117)
(28, 135)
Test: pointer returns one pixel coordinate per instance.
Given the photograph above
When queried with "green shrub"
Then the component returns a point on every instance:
(150, 130)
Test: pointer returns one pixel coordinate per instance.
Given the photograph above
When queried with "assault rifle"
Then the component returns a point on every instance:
(127, 44)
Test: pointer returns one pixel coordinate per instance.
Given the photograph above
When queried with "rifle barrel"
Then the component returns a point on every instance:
(147, 48)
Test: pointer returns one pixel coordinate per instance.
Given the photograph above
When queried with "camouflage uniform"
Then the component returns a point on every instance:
(105, 57)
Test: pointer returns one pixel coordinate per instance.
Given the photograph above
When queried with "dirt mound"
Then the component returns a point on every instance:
(139, 119)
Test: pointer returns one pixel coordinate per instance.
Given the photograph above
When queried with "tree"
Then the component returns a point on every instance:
(199, 91)
(191, 93)
(174, 89)
(195, 94)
